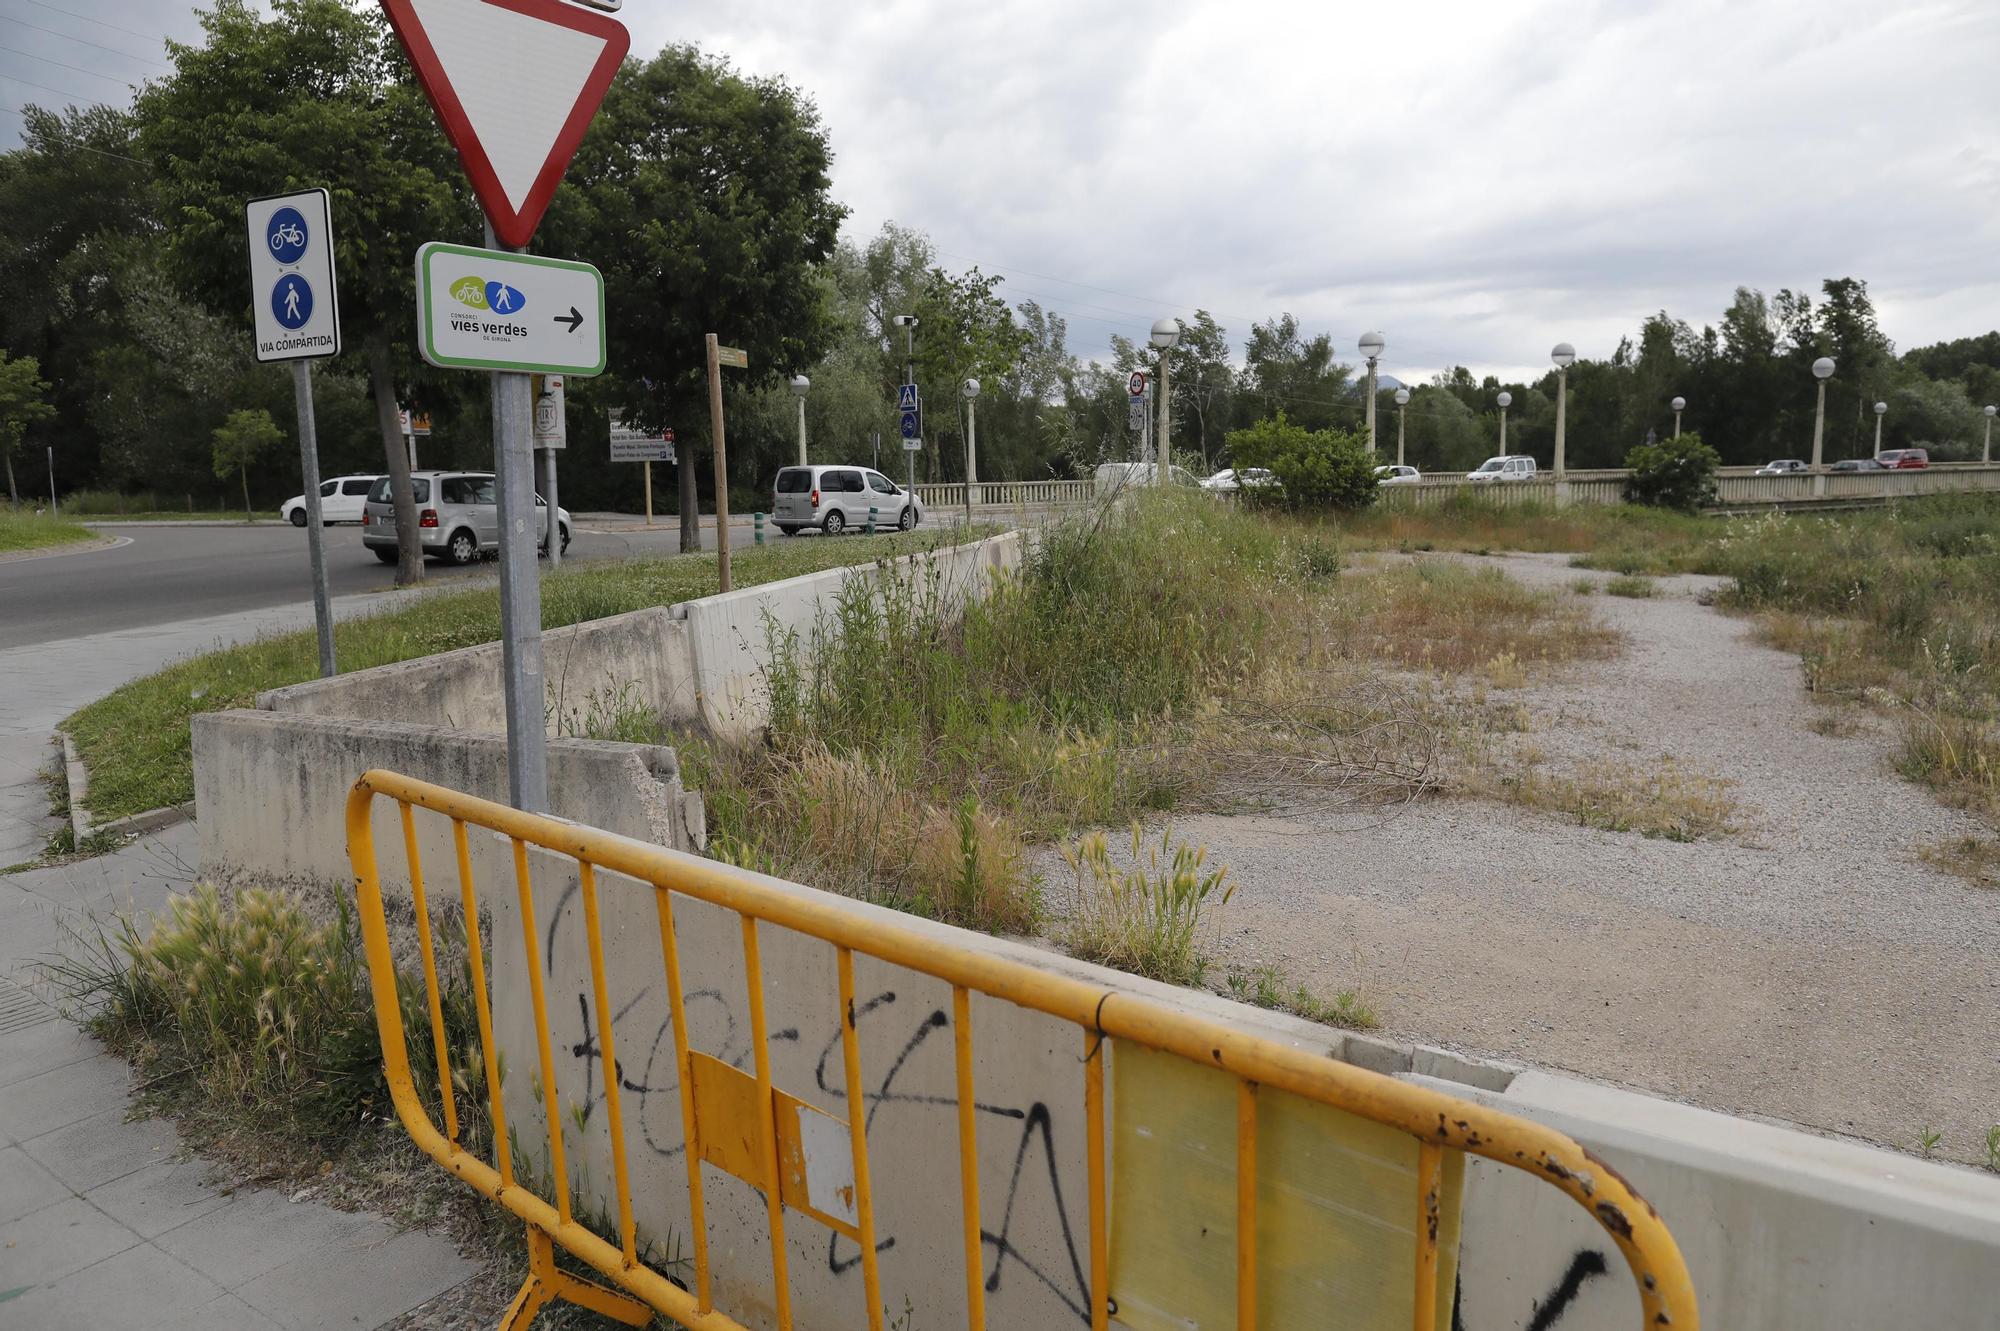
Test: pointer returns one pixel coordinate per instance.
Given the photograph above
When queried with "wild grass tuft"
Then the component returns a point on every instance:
(1266, 987)
(1150, 915)
(1628, 585)
(21, 530)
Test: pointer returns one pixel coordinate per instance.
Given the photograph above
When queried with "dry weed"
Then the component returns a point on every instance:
(1663, 800)
(1975, 859)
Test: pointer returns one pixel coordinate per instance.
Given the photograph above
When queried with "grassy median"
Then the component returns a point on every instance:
(29, 531)
(135, 740)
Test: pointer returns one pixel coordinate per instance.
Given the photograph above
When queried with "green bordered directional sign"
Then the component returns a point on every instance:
(491, 310)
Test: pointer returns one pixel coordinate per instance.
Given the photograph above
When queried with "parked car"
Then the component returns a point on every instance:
(1782, 467)
(1397, 474)
(458, 515)
(1111, 477)
(1858, 464)
(342, 499)
(1229, 479)
(1513, 467)
(836, 498)
(1904, 459)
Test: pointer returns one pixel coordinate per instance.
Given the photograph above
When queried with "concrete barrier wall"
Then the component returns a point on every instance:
(271, 795)
(729, 636)
(586, 668)
(702, 662)
(1782, 1229)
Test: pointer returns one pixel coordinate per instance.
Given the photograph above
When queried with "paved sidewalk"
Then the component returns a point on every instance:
(47, 681)
(109, 1224)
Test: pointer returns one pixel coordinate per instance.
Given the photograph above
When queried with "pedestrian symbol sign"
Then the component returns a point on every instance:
(295, 301)
(292, 301)
(907, 401)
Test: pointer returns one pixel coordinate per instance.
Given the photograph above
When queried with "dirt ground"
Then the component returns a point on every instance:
(1810, 969)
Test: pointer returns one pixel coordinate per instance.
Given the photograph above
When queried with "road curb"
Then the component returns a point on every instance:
(81, 827)
(73, 548)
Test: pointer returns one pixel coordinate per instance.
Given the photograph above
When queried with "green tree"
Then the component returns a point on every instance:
(23, 400)
(1315, 468)
(703, 196)
(1674, 473)
(318, 93)
(239, 441)
(1291, 373)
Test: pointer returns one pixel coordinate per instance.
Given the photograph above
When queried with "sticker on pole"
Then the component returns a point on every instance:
(292, 290)
(490, 310)
(515, 84)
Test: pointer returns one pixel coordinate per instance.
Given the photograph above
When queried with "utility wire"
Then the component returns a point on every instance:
(85, 41)
(16, 78)
(59, 64)
(22, 112)
(149, 36)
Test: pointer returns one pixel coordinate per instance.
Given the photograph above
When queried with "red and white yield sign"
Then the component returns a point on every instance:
(516, 83)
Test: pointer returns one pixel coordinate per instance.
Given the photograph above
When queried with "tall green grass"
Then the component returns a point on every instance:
(23, 530)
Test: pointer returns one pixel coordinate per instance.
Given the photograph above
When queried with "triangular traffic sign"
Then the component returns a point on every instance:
(515, 83)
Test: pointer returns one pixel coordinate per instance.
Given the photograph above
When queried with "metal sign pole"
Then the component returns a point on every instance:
(520, 587)
(302, 398)
(721, 464)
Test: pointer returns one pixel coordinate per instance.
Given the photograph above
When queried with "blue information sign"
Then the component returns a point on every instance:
(907, 399)
(286, 234)
(292, 301)
(910, 429)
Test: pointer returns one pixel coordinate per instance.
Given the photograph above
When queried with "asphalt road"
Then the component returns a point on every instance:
(168, 574)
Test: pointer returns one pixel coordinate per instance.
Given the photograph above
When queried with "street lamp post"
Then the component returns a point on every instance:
(1372, 346)
(1402, 401)
(969, 390)
(1986, 453)
(1881, 410)
(908, 323)
(800, 387)
(1679, 405)
(1822, 370)
(1505, 400)
(1166, 332)
(1564, 356)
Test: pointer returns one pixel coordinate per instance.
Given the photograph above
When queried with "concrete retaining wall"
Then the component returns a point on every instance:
(587, 667)
(702, 662)
(271, 794)
(1781, 1229)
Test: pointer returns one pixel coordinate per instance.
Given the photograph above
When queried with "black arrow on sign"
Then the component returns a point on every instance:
(573, 319)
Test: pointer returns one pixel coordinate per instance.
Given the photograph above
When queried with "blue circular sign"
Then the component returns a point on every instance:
(292, 301)
(286, 234)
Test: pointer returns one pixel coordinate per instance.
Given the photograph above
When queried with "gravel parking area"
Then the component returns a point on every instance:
(1811, 969)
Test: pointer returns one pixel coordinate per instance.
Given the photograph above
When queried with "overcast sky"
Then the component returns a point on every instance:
(1477, 180)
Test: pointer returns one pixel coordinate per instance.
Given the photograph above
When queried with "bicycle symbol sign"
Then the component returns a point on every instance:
(286, 235)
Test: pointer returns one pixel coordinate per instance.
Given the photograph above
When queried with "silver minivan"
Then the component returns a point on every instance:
(836, 498)
(457, 512)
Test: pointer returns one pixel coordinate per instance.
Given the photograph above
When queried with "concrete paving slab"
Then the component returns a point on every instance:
(335, 1289)
(137, 1290)
(61, 1096)
(48, 1044)
(93, 1151)
(227, 1313)
(26, 1187)
(46, 1245)
(258, 1231)
(160, 1197)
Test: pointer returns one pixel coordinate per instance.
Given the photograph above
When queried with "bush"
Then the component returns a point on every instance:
(1315, 468)
(1674, 473)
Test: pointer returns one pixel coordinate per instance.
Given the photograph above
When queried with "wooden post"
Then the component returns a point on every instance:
(721, 464)
(649, 492)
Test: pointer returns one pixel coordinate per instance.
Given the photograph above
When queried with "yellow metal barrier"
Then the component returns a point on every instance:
(746, 1126)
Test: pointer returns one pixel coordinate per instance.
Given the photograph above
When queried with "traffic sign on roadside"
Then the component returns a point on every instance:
(906, 398)
(736, 358)
(515, 84)
(630, 444)
(1135, 416)
(292, 291)
(490, 310)
(912, 427)
(1136, 385)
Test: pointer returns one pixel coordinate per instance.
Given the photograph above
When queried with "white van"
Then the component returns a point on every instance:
(1513, 467)
(837, 498)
